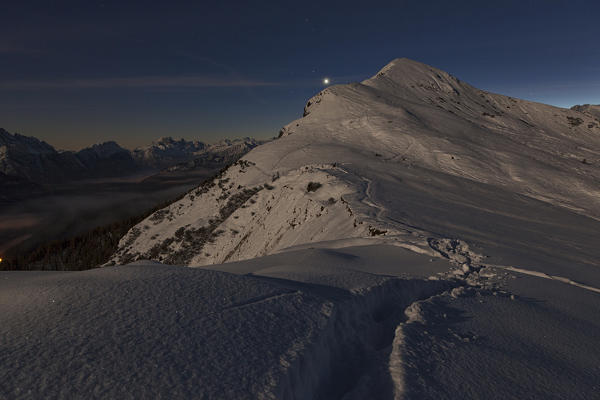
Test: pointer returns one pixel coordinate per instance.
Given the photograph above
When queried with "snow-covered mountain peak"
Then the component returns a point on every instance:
(404, 75)
(406, 70)
(167, 142)
(167, 151)
(25, 144)
(402, 82)
(105, 149)
(398, 150)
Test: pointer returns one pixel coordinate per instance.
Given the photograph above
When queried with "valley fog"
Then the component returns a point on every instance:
(67, 210)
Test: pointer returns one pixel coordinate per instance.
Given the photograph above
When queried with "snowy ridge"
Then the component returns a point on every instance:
(240, 221)
(388, 146)
(418, 114)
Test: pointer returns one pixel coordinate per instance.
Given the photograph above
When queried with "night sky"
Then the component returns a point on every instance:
(78, 73)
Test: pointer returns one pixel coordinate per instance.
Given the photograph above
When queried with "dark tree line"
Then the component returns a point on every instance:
(93, 248)
(88, 250)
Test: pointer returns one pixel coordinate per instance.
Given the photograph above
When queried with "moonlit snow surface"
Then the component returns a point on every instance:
(410, 237)
(360, 322)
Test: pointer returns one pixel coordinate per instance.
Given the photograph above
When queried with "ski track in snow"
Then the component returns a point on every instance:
(546, 276)
(260, 299)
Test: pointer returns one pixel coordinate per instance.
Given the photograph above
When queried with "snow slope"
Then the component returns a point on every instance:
(361, 322)
(154, 331)
(413, 154)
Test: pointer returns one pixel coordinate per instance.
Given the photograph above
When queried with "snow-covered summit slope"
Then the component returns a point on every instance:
(418, 114)
(414, 155)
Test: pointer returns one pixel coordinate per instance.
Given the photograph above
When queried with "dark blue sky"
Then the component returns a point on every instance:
(77, 73)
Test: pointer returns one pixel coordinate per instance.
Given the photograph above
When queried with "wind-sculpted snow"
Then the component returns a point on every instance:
(374, 321)
(531, 338)
(149, 330)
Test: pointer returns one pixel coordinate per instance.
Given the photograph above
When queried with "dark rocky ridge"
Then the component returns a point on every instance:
(589, 109)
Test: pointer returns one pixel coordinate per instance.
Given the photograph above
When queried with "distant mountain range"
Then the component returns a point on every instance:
(28, 159)
(168, 151)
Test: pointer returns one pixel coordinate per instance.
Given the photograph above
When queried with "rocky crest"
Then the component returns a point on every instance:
(589, 109)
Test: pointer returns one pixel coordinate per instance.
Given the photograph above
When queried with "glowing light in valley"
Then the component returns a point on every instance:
(326, 81)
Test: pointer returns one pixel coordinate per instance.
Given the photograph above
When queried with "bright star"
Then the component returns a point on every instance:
(326, 81)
